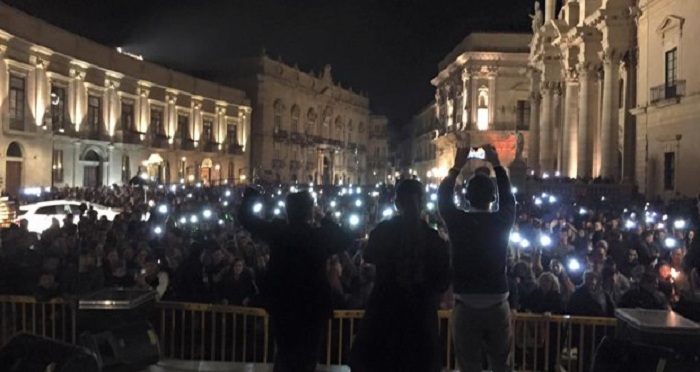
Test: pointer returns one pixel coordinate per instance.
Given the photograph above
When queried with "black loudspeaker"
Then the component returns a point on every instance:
(28, 353)
(615, 355)
(132, 346)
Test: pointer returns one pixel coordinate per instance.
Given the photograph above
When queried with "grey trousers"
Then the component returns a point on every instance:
(482, 330)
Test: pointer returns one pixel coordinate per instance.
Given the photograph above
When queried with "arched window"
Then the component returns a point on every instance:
(338, 125)
(311, 121)
(277, 119)
(91, 156)
(14, 150)
(482, 113)
(295, 118)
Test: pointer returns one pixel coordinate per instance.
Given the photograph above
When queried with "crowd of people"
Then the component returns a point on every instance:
(202, 244)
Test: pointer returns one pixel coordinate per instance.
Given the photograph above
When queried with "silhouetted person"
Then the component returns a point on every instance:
(399, 330)
(296, 285)
(479, 242)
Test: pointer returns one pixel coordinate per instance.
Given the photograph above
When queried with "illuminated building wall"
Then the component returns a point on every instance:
(77, 113)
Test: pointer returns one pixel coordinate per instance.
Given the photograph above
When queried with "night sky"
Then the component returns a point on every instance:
(388, 49)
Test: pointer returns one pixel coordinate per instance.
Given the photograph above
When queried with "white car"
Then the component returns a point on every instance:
(39, 215)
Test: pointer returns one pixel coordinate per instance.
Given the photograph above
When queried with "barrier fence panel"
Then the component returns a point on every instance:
(23, 314)
(191, 331)
(211, 332)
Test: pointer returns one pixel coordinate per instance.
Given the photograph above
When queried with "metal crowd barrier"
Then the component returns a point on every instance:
(209, 332)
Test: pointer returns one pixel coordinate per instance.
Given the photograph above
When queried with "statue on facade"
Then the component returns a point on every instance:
(537, 18)
(327, 73)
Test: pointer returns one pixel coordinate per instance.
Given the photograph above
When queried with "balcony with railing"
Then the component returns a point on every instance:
(212, 332)
(129, 136)
(211, 146)
(187, 144)
(668, 91)
(297, 138)
(281, 135)
(234, 149)
(160, 141)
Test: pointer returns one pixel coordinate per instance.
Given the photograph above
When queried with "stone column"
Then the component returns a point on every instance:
(466, 95)
(570, 127)
(545, 127)
(196, 124)
(4, 79)
(170, 114)
(493, 106)
(533, 147)
(586, 120)
(144, 112)
(76, 165)
(630, 135)
(77, 99)
(558, 142)
(40, 99)
(610, 119)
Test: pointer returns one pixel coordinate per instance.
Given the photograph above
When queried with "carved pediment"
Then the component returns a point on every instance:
(671, 23)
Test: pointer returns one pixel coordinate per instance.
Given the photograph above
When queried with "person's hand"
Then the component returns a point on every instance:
(491, 155)
(461, 157)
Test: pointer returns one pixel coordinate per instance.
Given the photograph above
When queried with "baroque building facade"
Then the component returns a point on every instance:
(481, 96)
(583, 70)
(378, 167)
(667, 107)
(77, 113)
(305, 127)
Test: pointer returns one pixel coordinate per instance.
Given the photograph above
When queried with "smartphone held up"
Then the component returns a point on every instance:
(477, 153)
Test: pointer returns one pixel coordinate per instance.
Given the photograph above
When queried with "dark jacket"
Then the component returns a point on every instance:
(296, 285)
(591, 303)
(399, 330)
(479, 240)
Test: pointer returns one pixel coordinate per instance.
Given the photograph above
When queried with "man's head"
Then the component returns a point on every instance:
(590, 280)
(480, 191)
(409, 197)
(632, 256)
(300, 207)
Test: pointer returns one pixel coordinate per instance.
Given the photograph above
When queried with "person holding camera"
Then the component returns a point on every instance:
(479, 242)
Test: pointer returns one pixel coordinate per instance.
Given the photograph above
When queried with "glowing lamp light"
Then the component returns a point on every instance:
(433, 197)
(514, 190)
(538, 201)
(280, 203)
(206, 213)
(557, 174)
(552, 199)
(545, 240)
(670, 243)
(183, 220)
(574, 265)
(679, 224)
(387, 212)
(431, 206)
(664, 217)
(158, 230)
(221, 222)
(629, 224)
(257, 207)
(144, 176)
(277, 212)
(228, 193)
(674, 273)
(582, 211)
(358, 203)
(660, 226)
(545, 176)
(515, 237)
(337, 214)
(354, 220)
(194, 219)
(333, 204)
(162, 209)
(524, 243)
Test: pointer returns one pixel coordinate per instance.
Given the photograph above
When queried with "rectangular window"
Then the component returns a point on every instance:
(58, 107)
(94, 114)
(127, 117)
(671, 67)
(17, 102)
(277, 122)
(295, 123)
(181, 169)
(157, 125)
(183, 127)
(669, 171)
(208, 131)
(523, 115)
(57, 166)
(126, 169)
(232, 134)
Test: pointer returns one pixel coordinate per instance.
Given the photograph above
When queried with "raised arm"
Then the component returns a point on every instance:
(258, 227)
(506, 200)
(446, 203)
